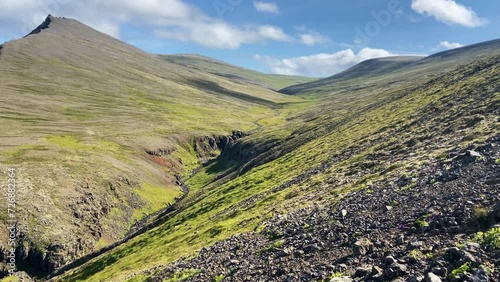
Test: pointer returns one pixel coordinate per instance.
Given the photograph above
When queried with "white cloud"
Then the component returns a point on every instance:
(449, 45)
(321, 65)
(313, 38)
(218, 34)
(272, 32)
(449, 12)
(310, 37)
(266, 7)
(171, 19)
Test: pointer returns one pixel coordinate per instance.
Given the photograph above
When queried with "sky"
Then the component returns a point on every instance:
(315, 38)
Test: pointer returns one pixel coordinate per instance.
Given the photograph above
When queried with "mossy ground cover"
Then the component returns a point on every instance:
(346, 144)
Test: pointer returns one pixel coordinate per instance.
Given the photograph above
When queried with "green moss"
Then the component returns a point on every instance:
(183, 275)
(278, 244)
(156, 197)
(138, 278)
(416, 254)
(339, 274)
(10, 279)
(20, 152)
(68, 142)
(489, 239)
(457, 272)
(219, 278)
(421, 223)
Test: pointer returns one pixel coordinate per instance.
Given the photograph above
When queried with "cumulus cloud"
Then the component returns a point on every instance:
(266, 7)
(449, 45)
(449, 12)
(312, 38)
(222, 35)
(171, 19)
(321, 65)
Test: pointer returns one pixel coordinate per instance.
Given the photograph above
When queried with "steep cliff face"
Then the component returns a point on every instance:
(208, 147)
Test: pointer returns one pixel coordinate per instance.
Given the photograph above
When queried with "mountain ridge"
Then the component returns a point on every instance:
(446, 59)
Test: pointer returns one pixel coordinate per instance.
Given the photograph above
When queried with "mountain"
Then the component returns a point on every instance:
(366, 69)
(216, 67)
(388, 171)
(393, 70)
(102, 133)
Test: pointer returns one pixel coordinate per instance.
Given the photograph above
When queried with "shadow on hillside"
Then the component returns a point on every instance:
(214, 88)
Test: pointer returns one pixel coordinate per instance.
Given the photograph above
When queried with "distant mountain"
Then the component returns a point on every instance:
(396, 69)
(366, 69)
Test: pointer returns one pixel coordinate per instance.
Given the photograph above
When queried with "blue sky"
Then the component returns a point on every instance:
(314, 38)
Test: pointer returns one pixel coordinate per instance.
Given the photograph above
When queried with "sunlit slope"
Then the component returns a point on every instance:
(345, 143)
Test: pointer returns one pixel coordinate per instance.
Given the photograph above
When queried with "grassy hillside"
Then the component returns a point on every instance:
(234, 73)
(352, 138)
(100, 134)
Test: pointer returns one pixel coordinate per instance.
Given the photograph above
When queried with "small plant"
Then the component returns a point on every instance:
(464, 268)
(407, 187)
(276, 245)
(489, 267)
(489, 239)
(461, 245)
(415, 254)
(497, 161)
(421, 223)
(435, 255)
(307, 226)
(338, 274)
(480, 216)
(279, 244)
(219, 278)
(273, 235)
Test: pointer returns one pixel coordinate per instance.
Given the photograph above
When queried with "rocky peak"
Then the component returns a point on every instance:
(45, 24)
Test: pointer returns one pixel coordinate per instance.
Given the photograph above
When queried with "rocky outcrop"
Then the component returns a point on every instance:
(206, 146)
(46, 23)
(43, 260)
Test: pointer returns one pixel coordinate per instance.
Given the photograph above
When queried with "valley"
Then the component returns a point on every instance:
(141, 167)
